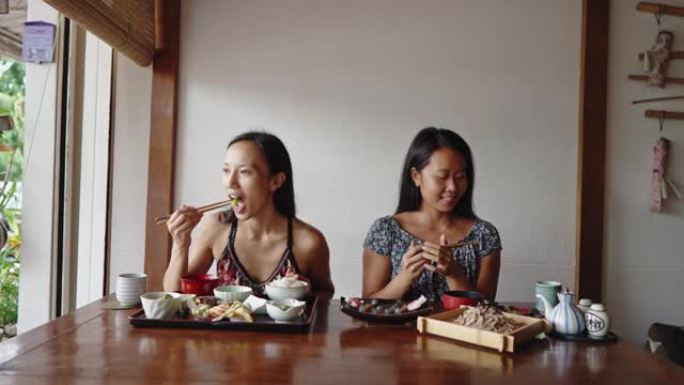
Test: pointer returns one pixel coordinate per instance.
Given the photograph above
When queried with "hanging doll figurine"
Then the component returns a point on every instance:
(656, 59)
(659, 179)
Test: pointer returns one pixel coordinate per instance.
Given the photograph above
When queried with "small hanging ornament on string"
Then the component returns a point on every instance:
(659, 179)
(656, 59)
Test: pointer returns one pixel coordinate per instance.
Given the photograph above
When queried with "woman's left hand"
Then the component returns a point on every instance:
(440, 257)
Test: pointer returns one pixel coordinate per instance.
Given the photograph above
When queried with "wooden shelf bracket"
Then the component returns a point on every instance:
(660, 9)
(662, 114)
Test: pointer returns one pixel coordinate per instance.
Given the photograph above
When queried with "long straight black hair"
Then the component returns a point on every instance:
(278, 160)
(427, 141)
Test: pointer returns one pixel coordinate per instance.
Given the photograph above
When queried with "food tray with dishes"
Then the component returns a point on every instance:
(483, 325)
(184, 318)
(391, 311)
(231, 307)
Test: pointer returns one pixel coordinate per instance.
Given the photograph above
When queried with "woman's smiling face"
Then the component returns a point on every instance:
(442, 182)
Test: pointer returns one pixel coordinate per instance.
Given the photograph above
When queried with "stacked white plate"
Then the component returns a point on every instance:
(129, 288)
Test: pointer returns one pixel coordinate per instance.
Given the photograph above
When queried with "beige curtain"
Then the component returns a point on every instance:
(126, 25)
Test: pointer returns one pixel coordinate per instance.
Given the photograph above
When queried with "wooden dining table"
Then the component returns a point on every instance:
(96, 345)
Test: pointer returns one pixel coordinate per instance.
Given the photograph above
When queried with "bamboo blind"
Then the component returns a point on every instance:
(126, 25)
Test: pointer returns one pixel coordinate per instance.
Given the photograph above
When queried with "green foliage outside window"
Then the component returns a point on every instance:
(11, 173)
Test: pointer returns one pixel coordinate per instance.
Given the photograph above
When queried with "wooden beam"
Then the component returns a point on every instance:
(591, 149)
(662, 114)
(644, 78)
(661, 9)
(649, 100)
(160, 180)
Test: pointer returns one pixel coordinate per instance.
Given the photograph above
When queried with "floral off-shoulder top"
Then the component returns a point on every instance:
(386, 237)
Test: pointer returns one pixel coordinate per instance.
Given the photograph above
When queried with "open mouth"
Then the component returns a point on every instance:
(238, 204)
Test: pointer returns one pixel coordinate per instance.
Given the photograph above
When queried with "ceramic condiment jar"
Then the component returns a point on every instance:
(566, 318)
(584, 305)
(597, 321)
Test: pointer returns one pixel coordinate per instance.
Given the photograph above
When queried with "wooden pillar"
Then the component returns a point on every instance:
(592, 149)
(160, 180)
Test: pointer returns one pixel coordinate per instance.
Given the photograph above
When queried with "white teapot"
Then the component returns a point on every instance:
(565, 318)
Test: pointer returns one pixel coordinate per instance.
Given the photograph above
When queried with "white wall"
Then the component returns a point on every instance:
(35, 275)
(347, 85)
(131, 135)
(645, 265)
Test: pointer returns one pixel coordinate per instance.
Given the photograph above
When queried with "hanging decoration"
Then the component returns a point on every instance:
(656, 59)
(660, 183)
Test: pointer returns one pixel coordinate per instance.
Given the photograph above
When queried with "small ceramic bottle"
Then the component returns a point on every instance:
(584, 305)
(597, 321)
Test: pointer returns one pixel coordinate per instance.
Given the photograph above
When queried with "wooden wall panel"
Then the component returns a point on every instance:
(591, 149)
(160, 182)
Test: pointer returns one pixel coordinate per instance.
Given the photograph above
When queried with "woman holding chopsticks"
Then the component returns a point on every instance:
(413, 251)
(260, 239)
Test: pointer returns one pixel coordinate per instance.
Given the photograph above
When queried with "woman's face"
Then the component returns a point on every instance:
(246, 176)
(443, 181)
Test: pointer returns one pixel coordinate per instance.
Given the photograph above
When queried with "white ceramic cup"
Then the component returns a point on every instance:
(129, 287)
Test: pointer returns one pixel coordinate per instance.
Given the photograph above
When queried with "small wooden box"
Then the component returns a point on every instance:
(441, 324)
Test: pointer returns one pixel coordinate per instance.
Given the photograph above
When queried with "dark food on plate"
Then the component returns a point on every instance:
(379, 307)
(487, 317)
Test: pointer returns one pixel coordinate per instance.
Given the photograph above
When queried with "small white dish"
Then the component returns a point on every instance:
(160, 304)
(275, 292)
(232, 293)
(256, 304)
(293, 309)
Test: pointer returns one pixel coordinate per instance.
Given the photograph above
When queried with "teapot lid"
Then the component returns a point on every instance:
(598, 307)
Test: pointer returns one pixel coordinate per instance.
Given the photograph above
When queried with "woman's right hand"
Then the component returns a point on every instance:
(412, 263)
(181, 223)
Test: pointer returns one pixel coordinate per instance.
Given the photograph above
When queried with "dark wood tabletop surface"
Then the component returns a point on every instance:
(93, 345)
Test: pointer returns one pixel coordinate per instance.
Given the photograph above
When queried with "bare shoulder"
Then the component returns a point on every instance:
(308, 240)
(406, 216)
(405, 219)
(212, 225)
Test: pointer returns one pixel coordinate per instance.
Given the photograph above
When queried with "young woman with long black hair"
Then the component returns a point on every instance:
(434, 242)
(260, 239)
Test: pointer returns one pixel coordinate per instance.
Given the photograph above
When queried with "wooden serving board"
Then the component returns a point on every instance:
(262, 322)
(441, 324)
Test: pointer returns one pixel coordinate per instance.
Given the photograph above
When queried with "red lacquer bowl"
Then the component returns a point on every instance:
(199, 284)
(457, 298)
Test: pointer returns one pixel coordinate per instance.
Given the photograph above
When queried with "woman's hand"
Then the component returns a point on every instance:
(440, 259)
(412, 263)
(181, 223)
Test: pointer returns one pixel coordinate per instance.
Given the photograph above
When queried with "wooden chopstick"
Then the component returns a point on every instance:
(202, 209)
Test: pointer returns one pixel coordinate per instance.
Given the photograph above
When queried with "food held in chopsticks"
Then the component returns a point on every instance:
(488, 318)
(234, 201)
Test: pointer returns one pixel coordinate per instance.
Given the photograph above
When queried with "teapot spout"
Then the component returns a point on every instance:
(547, 306)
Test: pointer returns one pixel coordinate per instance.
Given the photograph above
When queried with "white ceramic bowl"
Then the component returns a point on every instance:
(296, 309)
(275, 292)
(232, 293)
(160, 304)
